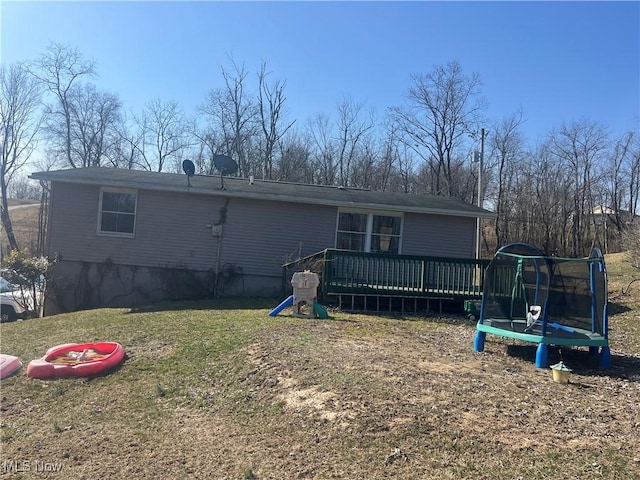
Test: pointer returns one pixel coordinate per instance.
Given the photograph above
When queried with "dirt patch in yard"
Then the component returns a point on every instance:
(412, 400)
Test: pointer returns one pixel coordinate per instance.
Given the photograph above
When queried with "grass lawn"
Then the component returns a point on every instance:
(221, 390)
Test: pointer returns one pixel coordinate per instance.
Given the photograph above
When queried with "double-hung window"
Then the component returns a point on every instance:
(369, 232)
(117, 215)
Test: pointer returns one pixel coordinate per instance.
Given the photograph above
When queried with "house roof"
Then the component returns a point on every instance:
(604, 210)
(266, 190)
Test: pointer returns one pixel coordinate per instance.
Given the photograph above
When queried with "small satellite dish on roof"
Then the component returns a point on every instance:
(190, 169)
(226, 166)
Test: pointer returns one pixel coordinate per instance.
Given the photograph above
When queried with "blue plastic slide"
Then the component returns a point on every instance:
(286, 303)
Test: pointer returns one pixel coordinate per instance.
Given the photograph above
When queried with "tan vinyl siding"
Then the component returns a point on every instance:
(440, 236)
(258, 236)
(73, 222)
(261, 236)
(171, 231)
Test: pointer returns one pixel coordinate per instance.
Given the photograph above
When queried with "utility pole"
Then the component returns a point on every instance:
(479, 219)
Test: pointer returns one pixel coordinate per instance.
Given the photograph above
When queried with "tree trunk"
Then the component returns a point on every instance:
(6, 221)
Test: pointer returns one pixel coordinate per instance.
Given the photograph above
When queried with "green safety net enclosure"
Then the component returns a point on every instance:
(546, 300)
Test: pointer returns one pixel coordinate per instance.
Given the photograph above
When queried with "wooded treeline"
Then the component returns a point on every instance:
(573, 190)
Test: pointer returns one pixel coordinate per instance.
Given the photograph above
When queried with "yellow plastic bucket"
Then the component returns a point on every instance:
(561, 373)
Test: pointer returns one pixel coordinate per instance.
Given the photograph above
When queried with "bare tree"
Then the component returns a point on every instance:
(351, 132)
(507, 148)
(20, 119)
(94, 117)
(389, 157)
(616, 181)
(294, 164)
(240, 115)
(367, 168)
(406, 168)
(126, 145)
(165, 134)
(233, 115)
(23, 188)
(210, 142)
(322, 146)
(271, 108)
(580, 146)
(443, 107)
(60, 69)
(544, 200)
(633, 169)
(620, 191)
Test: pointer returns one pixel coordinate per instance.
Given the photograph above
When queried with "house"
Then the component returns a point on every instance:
(612, 226)
(130, 237)
(604, 215)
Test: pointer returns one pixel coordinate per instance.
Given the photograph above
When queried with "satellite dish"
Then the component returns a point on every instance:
(226, 166)
(190, 169)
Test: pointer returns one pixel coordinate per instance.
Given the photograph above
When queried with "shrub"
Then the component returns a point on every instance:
(30, 274)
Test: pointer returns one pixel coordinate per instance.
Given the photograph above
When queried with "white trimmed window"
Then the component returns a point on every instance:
(117, 213)
(369, 232)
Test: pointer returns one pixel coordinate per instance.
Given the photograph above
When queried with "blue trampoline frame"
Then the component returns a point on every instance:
(519, 325)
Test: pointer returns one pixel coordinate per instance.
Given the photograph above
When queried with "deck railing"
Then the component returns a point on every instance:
(359, 273)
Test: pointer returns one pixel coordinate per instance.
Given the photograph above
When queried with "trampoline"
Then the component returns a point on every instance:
(546, 300)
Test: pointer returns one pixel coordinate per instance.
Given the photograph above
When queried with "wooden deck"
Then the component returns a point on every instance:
(375, 281)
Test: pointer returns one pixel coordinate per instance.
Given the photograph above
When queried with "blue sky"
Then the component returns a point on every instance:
(558, 61)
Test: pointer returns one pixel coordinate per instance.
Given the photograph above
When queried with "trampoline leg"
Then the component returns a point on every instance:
(593, 350)
(478, 344)
(542, 356)
(605, 358)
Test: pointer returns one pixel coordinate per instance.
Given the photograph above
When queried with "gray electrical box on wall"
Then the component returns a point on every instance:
(216, 230)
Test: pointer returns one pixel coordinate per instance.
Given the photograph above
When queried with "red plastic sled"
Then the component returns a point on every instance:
(77, 360)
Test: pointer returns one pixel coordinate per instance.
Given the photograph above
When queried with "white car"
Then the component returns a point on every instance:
(14, 302)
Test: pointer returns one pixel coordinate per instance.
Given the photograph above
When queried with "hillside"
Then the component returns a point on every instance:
(24, 219)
